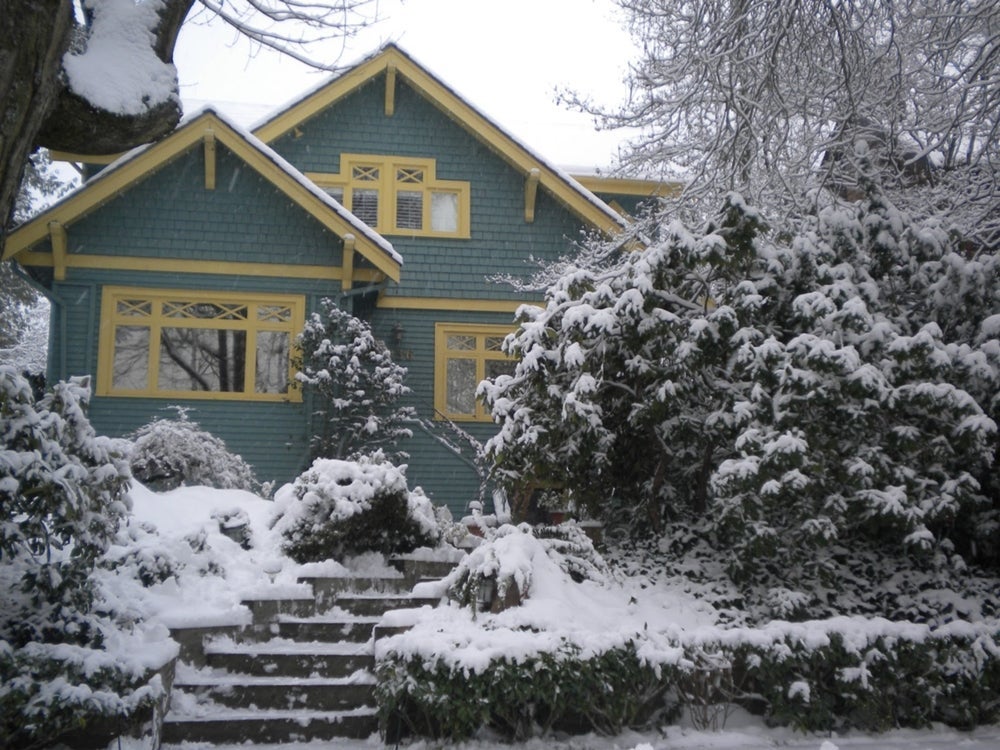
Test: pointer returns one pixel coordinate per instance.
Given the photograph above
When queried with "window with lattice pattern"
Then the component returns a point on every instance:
(399, 195)
(465, 355)
(197, 345)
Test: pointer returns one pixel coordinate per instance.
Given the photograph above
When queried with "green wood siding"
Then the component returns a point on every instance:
(501, 241)
(170, 214)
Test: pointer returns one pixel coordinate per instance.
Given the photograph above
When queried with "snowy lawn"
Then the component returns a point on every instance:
(212, 573)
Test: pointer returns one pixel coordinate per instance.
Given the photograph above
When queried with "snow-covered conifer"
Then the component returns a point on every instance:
(356, 386)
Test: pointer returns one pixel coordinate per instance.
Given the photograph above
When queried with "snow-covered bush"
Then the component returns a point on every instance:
(355, 384)
(171, 453)
(62, 496)
(338, 508)
(807, 394)
(504, 566)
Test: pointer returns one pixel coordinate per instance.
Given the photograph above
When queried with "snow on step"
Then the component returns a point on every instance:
(255, 725)
(286, 646)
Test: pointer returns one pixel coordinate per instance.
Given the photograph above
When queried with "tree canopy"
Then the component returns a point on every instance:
(768, 97)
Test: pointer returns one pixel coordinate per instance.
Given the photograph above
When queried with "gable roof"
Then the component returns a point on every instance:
(394, 62)
(205, 127)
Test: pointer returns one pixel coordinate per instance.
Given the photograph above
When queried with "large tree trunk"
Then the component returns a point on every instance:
(37, 109)
(34, 35)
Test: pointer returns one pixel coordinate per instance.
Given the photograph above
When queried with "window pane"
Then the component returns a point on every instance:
(461, 343)
(461, 393)
(409, 209)
(337, 193)
(364, 205)
(496, 367)
(444, 212)
(130, 368)
(272, 362)
(494, 343)
(202, 359)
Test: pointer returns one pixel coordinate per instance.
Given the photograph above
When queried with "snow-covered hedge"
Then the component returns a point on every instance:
(819, 676)
(338, 508)
(172, 453)
(563, 690)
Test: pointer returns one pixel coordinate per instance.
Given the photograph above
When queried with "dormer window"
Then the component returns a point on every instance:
(399, 195)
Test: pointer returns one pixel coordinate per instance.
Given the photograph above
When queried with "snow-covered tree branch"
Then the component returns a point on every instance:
(768, 98)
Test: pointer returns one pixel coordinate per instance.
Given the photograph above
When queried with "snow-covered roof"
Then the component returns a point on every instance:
(136, 163)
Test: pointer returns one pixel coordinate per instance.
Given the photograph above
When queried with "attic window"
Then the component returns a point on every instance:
(399, 195)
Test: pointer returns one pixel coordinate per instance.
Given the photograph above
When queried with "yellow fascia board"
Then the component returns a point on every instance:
(108, 185)
(207, 267)
(388, 302)
(626, 186)
(84, 158)
(457, 109)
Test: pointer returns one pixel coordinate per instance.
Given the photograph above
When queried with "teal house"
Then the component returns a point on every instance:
(181, 272)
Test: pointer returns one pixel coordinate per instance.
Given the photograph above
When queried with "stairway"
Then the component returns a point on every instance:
(303, 670)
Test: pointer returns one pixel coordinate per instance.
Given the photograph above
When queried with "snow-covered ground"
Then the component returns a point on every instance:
(212, 574)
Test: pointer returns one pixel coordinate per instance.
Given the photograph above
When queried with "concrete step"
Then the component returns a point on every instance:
(267, 610)
(328, 589)
(288, 693)
(372, 605)
(336, 625)
(289, 658)
(258, 726)
(419, 570)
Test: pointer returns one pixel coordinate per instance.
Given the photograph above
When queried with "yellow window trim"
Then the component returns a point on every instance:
(480, 355)
(388, 184)
(155, 320)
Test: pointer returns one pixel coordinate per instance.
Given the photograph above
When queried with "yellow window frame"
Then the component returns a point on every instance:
(391, 175)
(482, 338)
(155, 309)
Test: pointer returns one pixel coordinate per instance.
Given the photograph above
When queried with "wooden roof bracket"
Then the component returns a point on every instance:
(347, 280)
(209, 159)
(390, 90)
(530, 193)
(57, 238)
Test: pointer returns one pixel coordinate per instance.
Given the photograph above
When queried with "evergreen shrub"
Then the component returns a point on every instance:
(172, 453)
(339, 508)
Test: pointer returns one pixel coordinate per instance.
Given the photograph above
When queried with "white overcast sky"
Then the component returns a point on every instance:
(507, 57)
